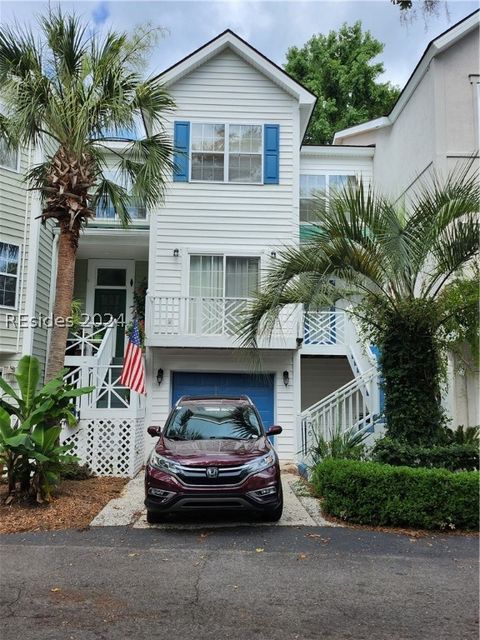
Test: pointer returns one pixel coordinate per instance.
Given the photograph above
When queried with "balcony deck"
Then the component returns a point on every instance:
(214, 323)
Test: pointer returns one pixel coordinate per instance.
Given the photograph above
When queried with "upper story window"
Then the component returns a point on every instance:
(230, 153)
(106, 211)
(245, 153)
(223, 276)
(208, 152)
(315, 191)
(8, 157)
(227, 152)
(9, 271)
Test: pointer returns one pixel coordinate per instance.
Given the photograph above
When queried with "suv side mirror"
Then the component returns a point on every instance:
(275, 430)
(155, 432)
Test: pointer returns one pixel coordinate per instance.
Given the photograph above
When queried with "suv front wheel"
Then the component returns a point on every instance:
(273, 515)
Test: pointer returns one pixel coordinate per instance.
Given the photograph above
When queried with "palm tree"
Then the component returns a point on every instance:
(392, 260)
(76, 93)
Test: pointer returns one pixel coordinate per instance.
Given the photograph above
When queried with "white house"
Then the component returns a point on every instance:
(241, 191)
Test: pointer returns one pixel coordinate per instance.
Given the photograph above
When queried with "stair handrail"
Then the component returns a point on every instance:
(364, 378)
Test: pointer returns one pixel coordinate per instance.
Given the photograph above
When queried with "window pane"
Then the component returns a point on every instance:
(206, 276)
(339, 182)
(245, 167)
(208, 137)
(241, 277)
(111, 277)
(8, 158)
(245, 138)
(8, 289)
(310, 184)
(207, 166)
(9, 258)
(312, 197)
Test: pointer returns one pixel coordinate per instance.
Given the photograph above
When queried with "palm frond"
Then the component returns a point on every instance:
(110, 194)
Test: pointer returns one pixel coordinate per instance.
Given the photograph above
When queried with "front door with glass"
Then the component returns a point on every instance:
(110, 295)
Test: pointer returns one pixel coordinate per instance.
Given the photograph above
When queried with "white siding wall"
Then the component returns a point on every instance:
(14, 228)
(226, 218)
(159, 396)
(321, 376)
(322, 163)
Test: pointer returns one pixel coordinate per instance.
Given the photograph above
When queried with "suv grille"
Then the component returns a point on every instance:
(197, 476)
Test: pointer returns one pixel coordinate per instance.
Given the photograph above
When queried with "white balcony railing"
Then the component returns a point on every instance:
(324, 327)
(195, 317)
(212, 319)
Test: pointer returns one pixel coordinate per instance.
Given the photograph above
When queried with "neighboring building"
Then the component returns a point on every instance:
(434, 126)
(25, 264)
(242, 190)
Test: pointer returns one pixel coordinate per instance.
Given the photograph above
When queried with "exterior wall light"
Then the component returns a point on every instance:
(176, 253)
(286, 378)
(273, 254)
(160, 376)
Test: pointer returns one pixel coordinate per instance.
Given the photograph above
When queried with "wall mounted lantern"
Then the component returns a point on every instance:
(160, 376)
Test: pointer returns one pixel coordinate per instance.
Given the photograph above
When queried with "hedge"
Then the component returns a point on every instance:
(454, 457)
(379, 494)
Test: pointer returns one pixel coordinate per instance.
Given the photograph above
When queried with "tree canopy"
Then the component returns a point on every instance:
(83, 99)
(339, 68)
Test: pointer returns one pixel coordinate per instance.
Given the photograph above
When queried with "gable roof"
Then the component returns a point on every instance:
(439, 44)
(230, 40)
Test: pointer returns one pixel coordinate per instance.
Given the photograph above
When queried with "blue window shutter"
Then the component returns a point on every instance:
(181, 141)
(271, 154)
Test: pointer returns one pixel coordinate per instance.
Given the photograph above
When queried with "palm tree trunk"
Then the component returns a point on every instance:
(67, 249)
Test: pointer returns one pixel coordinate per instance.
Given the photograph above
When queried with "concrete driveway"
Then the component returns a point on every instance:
(242, 583)
(128, 509)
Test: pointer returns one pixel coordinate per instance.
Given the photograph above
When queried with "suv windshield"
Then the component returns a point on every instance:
(209, 421)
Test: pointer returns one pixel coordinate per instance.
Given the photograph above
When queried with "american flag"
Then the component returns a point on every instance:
(133, 372)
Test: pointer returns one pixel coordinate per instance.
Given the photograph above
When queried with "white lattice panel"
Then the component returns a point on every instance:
(109, 446)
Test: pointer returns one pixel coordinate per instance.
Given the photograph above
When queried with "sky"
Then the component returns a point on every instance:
(272, 26)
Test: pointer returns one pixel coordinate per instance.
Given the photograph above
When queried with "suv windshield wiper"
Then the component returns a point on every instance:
(175, 437)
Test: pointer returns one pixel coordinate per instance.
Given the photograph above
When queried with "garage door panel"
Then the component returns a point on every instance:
(260, 388)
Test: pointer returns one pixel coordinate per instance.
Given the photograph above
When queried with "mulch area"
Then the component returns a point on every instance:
(74, 505)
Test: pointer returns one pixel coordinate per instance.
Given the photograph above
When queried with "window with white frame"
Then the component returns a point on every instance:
(223, 276)
(8, 157)
(227, 152)
(315, 191)
(208, 152)
(244, 153)
(9, 272)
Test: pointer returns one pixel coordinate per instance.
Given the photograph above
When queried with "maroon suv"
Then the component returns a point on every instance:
(213, 453)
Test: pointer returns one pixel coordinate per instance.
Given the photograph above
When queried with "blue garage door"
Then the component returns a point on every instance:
(258, 388)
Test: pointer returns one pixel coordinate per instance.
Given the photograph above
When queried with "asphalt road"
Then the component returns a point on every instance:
(246, 583)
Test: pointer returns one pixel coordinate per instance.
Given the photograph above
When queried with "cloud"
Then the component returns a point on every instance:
(101, 13)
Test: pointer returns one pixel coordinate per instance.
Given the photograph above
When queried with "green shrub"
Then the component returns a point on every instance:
(454, 457)
(30, 427)
(377, 494)
(463, 435)
(340, 444)
(75, 471)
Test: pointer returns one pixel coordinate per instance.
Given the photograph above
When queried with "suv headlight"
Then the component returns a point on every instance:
(259, 464)
(163, 464)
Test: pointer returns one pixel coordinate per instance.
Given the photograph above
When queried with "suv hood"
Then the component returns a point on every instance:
(212, 452)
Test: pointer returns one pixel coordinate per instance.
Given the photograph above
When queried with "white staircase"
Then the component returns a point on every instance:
(353, 407)
(110, 432)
